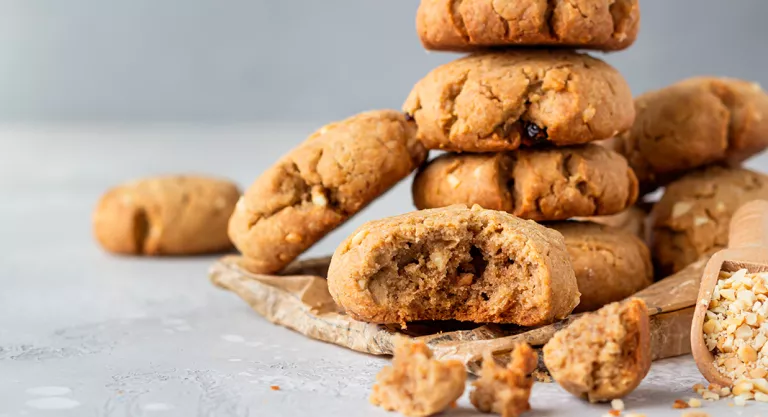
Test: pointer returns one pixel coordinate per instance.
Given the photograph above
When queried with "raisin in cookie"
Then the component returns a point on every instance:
(610, 264)
(541, 184)
(603, 355)
(693, 123)
(316, 187)
(694, 215)
(451, 25)
(503, 100)
(174, 215)
(506, 390)
(454, 263)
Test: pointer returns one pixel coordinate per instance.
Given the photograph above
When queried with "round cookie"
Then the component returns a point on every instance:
(540, 184)
(610, 264)
(454, 263)
(317, 186)
(693, 217)
(691, 124)
(450, 25)
(503, 100)
(173, 215)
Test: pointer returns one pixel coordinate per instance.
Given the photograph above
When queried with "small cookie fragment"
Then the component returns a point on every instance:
(603, 355)
(505, 390)
(317, 186)
(171, 215)
(454, 263)
(693, 123)
(540, 184)
(694, 214)
(449, 25)
(417, 385)
(500, 101)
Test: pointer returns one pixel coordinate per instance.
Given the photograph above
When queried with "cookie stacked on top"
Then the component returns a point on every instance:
(518, 122)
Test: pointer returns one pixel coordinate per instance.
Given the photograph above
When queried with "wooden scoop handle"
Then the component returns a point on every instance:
(749, 226)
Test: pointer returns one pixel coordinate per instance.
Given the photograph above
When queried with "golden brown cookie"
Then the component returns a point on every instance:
(610, 264)
(460, 25)
(540, 184)
(603, 355)
(454, 263)
(506, 390)
(416, 384)
(316, 187)
(694, 215)
(632, 220)
(173, 215)
(694, 123)
(503, 100)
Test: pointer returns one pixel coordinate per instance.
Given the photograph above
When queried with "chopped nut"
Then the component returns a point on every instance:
(710, 396)
(739, 401)
(588, 114)
(274, 387)
(614, 413)
(760, 385)
(617, 404)
(761, 397)
(452, 180)
(681, 208)
(679, 404)
(700, 220)
(694, 402)
(318, 196)
(293, 238)
(697, 388)
(742, 387)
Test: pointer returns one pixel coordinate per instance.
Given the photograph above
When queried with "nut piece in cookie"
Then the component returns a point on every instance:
(505, 390)
(694, 214)
(610, 264)
(499, 101)
(171, 215)
(316, 187)
(454, 263)
(541, 185)
(603, 355)
(450, 25)
(416, 384)
(693, 123)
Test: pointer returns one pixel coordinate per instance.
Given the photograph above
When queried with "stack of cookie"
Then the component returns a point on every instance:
(518, 121)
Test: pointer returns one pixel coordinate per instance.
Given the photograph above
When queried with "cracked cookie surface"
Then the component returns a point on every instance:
(173, 215)
(535, 184)
(694, 214)
(693, 123)
(504, 100)
(610, 264)
(316, 187)
(461, 25)
(454, 263)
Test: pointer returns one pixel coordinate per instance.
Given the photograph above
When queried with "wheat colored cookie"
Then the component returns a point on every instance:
(454, 263)
(610, 264)
(603, 355)
(503, 100)
(316, 187)
(693, 217)
(505, 390)
(632, 220)
(541, 184)
(694, 123)
(460, 25)
(173, 215)
(416, 384)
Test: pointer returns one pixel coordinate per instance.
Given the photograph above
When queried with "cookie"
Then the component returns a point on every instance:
(416, 384)
(540, 184)
(172, 215)
(500, 101)
(505, 390)
(454, 263)
(603, 355)
(449, 25)
(631, 220)
(694, 123)
(693, 217)
(610, 264)
(316, 187)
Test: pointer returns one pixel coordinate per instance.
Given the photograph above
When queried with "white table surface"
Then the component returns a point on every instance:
(83, 333)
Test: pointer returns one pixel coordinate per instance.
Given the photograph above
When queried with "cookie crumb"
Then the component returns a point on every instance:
(617, 404)
(679, 404)
(274, 387)
(698, 388)
(505, 390)
(739, 401)
(542, 376)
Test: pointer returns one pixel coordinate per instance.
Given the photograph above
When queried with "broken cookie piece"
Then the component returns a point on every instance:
(602, 355)
(454, 263)
(505, 390)
(416, 384)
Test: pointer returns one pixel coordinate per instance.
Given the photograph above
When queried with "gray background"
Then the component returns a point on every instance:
(226, 61)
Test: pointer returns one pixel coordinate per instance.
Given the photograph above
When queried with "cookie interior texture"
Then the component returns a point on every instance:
(465, 24)
(602, 355)
(454, 263)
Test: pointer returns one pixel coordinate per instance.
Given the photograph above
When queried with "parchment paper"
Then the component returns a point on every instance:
(298, 299)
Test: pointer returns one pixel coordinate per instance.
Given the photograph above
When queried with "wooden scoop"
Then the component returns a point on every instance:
(747, 249)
